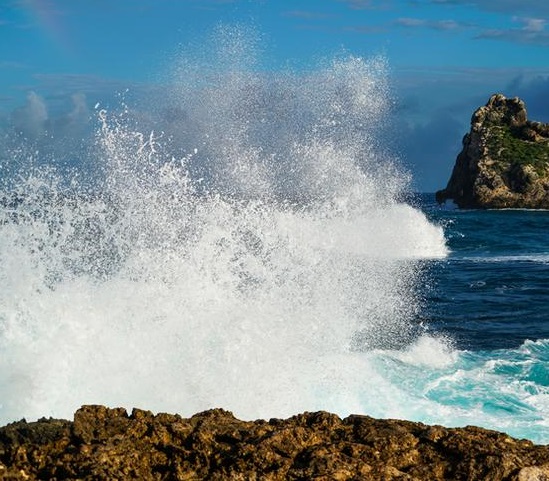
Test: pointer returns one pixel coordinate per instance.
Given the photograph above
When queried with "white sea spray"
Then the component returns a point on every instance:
(242, 247)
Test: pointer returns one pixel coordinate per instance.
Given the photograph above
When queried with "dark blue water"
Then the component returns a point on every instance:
(492, 292)
(485, 360)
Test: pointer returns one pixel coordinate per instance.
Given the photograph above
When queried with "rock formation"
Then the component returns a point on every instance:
(109, 444)
(504, 162)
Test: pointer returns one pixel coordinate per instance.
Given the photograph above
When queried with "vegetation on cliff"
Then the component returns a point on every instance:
(108, 444)
(504, 162)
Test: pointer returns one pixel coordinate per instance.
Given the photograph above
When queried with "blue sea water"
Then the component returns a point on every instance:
(490, 296)
(238, 240)
(492, 290)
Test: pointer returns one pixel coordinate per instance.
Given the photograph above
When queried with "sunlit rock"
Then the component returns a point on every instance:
(108, 444)
(504, 162)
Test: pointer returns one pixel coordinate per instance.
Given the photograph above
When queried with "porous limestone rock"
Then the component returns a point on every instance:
(109, 444)
(504, 162)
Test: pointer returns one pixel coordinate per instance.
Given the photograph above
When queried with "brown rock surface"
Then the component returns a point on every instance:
(504, 162)
(107, 444)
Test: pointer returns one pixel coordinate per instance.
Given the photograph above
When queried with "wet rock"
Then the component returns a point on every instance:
(109, 444)
(504, 162)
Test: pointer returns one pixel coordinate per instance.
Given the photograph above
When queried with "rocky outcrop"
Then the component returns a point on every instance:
(504, 162)
(109, 444)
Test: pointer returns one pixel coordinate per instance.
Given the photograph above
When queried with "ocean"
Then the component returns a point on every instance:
(248, 241)
(489, 296)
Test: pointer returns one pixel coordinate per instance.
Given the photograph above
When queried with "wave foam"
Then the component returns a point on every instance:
(247, 255)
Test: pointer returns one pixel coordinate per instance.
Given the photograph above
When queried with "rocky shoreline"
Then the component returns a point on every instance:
(109, 444)
(504, 162)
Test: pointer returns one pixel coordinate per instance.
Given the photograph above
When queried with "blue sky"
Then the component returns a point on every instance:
(445, 56)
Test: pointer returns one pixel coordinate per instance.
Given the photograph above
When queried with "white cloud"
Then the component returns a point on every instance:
(368, 4)
(12, 65)
(531, 24)
(306, 15)
(526, 35)
(30, 120)
(534, 8)
(431, 24)
(410, 22)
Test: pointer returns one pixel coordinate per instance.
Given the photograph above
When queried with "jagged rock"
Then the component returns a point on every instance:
(504, 162)
(109, 444)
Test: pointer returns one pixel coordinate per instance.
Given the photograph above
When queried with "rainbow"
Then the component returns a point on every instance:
(48, 17)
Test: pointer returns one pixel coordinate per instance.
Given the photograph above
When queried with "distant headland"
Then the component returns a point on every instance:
(504, 162)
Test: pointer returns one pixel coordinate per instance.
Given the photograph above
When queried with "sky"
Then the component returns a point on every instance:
(445, 57)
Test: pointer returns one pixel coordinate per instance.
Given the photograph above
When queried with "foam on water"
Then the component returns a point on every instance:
(506, 390)
(241, 256)
(235, 243)
(533, 258)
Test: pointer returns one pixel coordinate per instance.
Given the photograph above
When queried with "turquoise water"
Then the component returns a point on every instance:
(490, 298)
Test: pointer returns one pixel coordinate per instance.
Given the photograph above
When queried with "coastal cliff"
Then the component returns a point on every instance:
(504, 162)
(107, 444)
